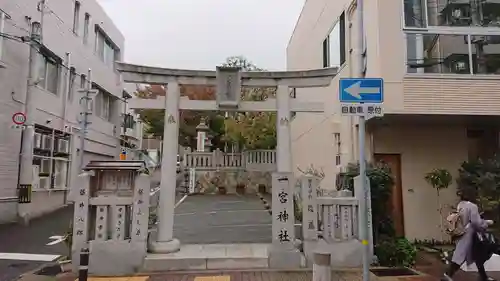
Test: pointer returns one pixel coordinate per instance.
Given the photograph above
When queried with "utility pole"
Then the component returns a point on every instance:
(41, 9)
(363, 203)
(26, 167)
(85, 112)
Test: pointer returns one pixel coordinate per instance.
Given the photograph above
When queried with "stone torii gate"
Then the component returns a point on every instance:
(229, 82)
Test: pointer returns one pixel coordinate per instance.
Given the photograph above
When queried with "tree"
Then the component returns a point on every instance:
(439, 179)
(480, 178)
(251, 130)
(188, 120)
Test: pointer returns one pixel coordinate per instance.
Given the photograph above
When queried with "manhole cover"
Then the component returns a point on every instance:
(396, 271)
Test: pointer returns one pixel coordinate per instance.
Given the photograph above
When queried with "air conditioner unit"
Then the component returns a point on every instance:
(45, 166)
(45, 182)
(46, 142)
(59, 180)
(37, 141)
(62, 146)
(60, 174)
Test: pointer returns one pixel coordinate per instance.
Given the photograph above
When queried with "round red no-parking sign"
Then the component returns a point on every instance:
(19, 118)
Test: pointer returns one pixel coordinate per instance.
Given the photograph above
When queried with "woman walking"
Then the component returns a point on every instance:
(473, 224)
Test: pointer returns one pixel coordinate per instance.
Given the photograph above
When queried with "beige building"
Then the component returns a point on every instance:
(439, 61)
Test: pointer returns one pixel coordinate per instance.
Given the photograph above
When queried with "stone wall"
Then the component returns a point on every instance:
(209, 182)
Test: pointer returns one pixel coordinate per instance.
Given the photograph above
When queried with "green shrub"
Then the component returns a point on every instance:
(480, 178)
(396, 253)
(381, 183)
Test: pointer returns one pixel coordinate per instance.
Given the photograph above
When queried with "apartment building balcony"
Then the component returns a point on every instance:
(448, 73)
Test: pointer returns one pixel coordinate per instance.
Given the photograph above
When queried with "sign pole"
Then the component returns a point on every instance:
(363, 210)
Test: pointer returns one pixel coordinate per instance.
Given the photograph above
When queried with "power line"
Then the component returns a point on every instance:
(313, 127)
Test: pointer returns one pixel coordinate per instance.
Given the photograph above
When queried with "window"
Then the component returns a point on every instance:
(105, 49)
(452, 53)
(424, 13)
(83, 81)
(76, 18)
(326, 57)
(86, 28)
(48, 73)
(414, 13)
(103, 104)
(338, 145)
(334, 45)
(128, 121)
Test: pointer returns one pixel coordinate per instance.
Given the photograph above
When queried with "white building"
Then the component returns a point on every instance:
(77, 36)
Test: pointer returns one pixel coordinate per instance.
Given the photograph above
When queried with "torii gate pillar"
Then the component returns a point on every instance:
(283, 134)
(165, 242)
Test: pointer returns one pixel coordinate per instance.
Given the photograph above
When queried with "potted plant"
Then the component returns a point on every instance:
(439, 179)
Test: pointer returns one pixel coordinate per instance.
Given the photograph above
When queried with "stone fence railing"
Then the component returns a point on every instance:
(253, 160)
(329, 224)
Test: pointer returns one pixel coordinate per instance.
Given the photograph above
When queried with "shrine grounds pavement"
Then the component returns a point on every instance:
(222, 219)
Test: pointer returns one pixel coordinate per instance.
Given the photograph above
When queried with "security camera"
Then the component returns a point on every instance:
(48, 121)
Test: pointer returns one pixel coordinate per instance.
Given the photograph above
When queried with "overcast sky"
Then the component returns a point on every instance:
(200, 34)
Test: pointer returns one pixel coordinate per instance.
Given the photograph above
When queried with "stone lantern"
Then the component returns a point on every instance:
(203, 139)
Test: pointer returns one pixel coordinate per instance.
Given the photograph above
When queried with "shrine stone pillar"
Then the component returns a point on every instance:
(165, 242)
(283, 252)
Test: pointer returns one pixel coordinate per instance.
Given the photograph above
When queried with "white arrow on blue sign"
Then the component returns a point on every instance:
(361, 90)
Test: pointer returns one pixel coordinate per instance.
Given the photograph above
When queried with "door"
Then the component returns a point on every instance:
(396, 202)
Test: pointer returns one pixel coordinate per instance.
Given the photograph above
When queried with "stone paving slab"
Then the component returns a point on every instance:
(252, 276)
(214, 275)
(210, 256)
(222, 219)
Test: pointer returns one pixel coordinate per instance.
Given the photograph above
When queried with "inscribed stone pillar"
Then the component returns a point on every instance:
(284, 143)
(80, 218)
(283, 253)
(360, 194)
(309, 185)
(165, 241)
(140, 208)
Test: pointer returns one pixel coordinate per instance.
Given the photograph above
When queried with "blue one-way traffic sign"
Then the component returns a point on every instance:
(361, 90)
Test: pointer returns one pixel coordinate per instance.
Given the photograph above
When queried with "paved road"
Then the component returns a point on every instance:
(222, 219)
(32, 239)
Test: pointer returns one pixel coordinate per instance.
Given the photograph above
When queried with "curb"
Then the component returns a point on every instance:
(266, 204)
